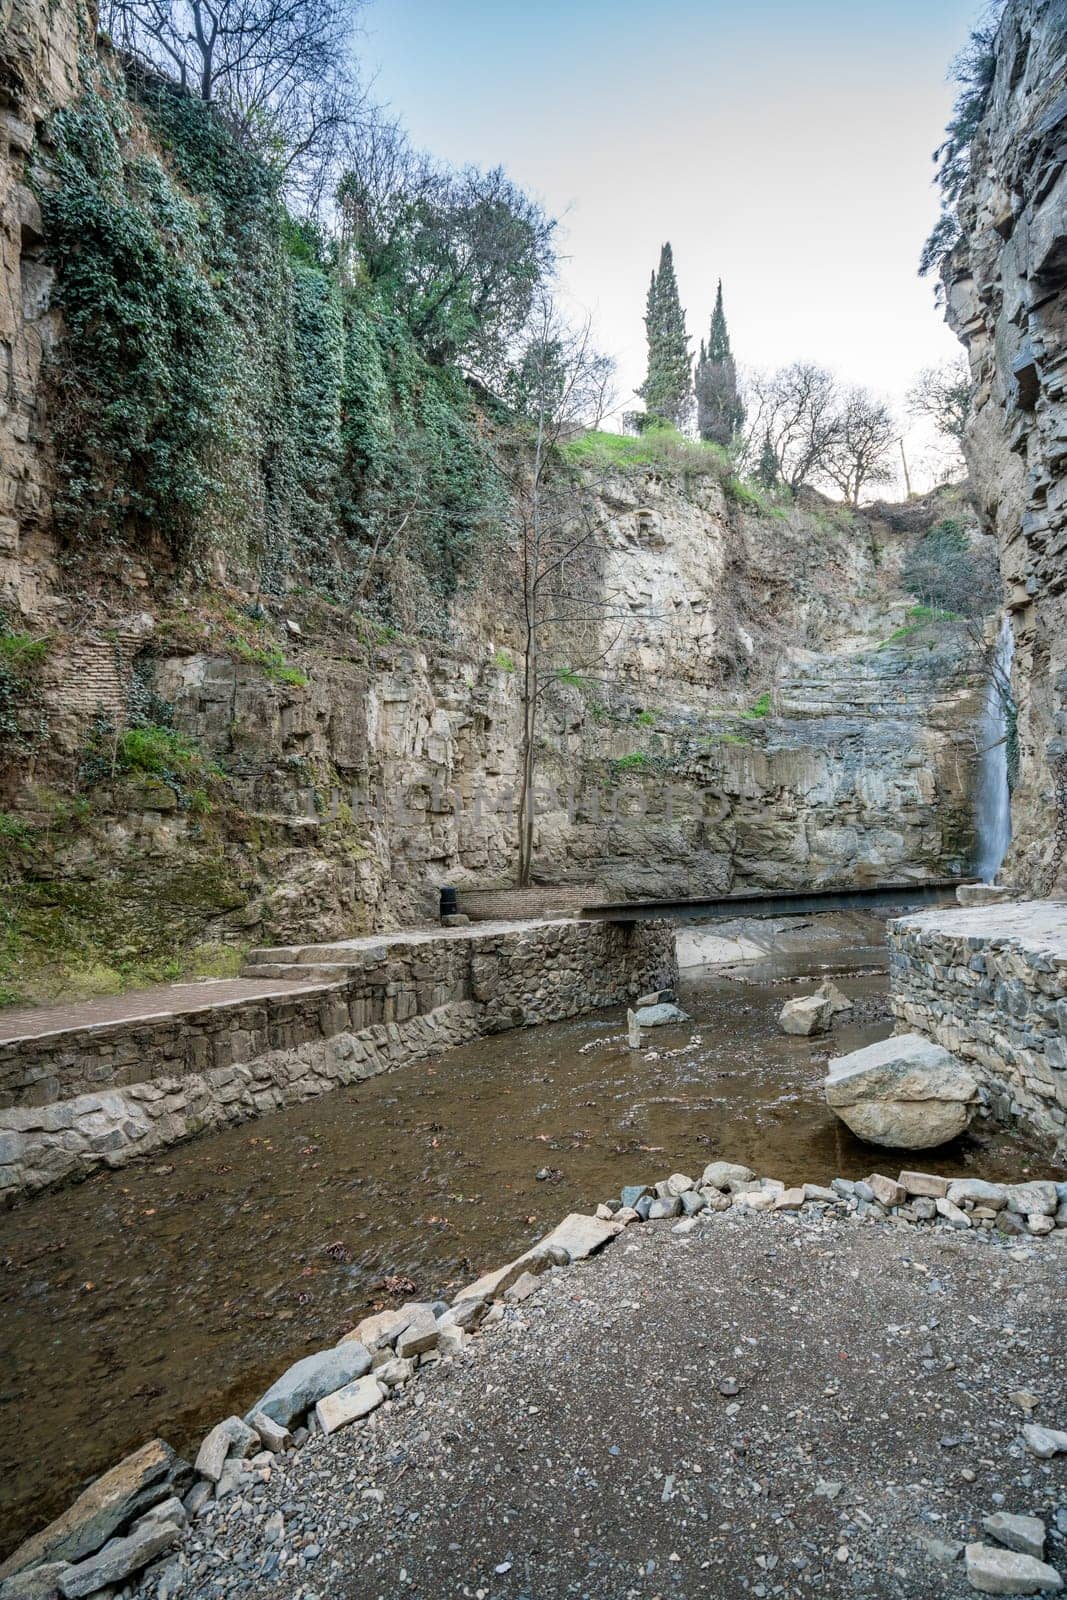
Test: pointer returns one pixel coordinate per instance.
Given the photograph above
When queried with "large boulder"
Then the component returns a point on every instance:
(141, 1480)
(303, 1384)
(906, 1093)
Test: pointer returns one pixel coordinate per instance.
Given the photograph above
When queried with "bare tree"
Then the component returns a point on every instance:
(559, 385)
(859, 451)
(943, 394)
(793, 413)
(280, 71)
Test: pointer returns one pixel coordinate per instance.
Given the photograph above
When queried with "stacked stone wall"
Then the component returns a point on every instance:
(84, 1098)
(990, 985)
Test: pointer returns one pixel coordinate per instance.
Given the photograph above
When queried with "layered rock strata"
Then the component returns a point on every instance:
(1005, 299)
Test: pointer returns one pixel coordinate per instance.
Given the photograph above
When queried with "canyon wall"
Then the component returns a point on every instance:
(1005, 299)
(39, 48)
(766, 710)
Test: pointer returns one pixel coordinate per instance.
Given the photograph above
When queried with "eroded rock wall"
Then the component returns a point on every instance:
(1005, 288)
(744, 725)
(38, 72)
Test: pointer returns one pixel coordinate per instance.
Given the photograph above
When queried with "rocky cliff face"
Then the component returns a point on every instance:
(335, 794)
(297, 770)
(1005, 299)
(38, 72)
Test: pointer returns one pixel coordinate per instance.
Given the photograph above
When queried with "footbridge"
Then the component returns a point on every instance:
(888, 897)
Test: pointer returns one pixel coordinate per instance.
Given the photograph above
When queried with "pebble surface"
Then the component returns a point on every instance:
(767, 1405)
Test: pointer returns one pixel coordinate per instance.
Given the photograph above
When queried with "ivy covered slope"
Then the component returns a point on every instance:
(226, 385)
(241, 419)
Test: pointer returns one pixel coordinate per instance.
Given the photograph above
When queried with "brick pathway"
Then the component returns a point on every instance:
(168, 1000)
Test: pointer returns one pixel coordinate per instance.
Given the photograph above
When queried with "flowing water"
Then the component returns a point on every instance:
(161, 1297)
(992, 798)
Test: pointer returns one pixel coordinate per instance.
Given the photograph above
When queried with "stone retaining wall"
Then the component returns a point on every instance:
(101, 1096)
(990, 984)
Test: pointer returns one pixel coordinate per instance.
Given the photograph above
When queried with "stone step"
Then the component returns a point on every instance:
(301, 972)
(340, 953)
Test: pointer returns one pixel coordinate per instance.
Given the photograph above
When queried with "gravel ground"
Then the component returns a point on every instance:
(766, 1407)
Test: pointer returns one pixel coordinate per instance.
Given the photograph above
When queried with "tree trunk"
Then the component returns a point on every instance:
(529, 764)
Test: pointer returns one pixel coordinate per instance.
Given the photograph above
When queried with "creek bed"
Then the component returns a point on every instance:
(161, 1297)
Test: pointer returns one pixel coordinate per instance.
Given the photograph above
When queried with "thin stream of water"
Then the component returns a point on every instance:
(993, 798)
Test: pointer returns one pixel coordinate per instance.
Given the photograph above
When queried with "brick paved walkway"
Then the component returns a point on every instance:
(168, 1000)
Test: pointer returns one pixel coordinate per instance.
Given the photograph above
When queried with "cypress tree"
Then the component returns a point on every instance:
(767, 470)
(668, 387)
(720, 414)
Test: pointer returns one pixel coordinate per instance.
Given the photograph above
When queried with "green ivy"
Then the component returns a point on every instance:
(219, 388)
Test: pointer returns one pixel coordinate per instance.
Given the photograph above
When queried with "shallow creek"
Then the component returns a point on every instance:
(159, 1298)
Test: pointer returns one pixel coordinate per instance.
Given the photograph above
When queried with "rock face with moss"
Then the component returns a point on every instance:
(1005, 284)
(259, 652)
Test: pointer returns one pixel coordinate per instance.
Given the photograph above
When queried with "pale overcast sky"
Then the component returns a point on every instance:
(783, 146)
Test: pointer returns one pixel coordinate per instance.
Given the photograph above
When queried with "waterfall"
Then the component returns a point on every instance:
(992, 812)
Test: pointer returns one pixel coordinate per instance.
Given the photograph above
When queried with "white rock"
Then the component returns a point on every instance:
(383, 1328)
(466, 1315)
(810, 1014)
(232, 1437)
(725, 1174)
(420, 1335)
(1038, 1224)
(925, 1184)
(993, 1571)
(993, 1195)
(1044, 1442)
(452, 1339)
(678, 1184)
(347, 1405)
(581, 1236)
(1032, 1199)
(1024, 1534)
(952, 1213)
(839, 1001)
(272, 1435)
(395, 1372)
(887, 1190)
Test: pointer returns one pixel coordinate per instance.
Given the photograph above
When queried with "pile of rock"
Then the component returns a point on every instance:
(135, 1513)
(1035, 1209)
(127, 1518)
(1015, 1564)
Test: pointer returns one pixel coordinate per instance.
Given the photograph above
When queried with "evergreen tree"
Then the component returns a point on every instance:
(720, 414)
(767, 469)
(668, 387)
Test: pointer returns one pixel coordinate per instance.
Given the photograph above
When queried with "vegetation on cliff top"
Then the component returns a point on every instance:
(234, 379)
